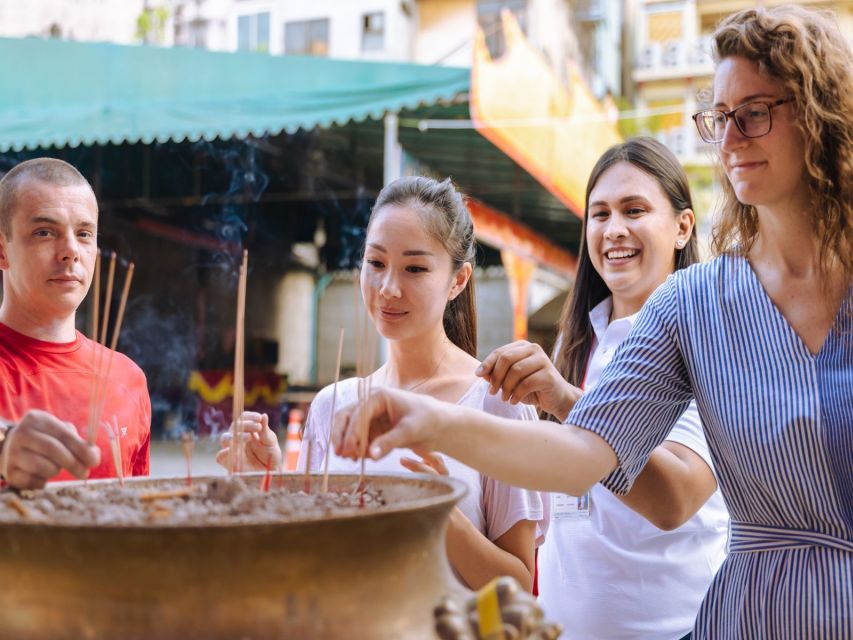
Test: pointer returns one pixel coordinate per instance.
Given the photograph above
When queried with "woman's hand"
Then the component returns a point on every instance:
(389, 419)
(429, 463)
(523, 372)
(258, 447)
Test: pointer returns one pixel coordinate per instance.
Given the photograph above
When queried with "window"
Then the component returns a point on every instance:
(373, 32)
(307, 37)
(253, 32)
(489, 17)
(663, 26)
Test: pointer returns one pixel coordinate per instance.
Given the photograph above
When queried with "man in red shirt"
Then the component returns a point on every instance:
(48, 246)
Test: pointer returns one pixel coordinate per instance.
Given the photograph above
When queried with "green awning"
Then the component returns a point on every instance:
(56, 93)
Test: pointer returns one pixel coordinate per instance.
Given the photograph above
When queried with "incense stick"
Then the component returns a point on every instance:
(187, 448)
(265, 485)
(309, 446)
(102, 394)
(93, 334)
(108, 298)
(115, 446)
(364, 423)
(94, 417)
(96, 299)
(239, 385)
(332, 419)
(97, 398)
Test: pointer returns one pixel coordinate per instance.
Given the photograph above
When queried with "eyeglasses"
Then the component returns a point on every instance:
(752, 119)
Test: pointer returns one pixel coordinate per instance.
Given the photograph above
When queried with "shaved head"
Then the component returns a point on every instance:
(51, 171)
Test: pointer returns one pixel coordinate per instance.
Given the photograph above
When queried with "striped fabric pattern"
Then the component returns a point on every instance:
(779, 423)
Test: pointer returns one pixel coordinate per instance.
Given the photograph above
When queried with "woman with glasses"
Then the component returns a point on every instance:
(671, 528)
(761, 338)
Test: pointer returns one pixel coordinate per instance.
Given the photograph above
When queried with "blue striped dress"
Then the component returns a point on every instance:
(779, 424)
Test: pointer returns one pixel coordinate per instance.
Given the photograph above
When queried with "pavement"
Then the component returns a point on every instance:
(167, 459)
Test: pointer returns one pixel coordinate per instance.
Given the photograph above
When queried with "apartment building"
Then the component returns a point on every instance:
(673, 72)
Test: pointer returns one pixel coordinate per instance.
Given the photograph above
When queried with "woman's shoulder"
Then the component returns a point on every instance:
(709, 272)
(346, 391)
(701, 283)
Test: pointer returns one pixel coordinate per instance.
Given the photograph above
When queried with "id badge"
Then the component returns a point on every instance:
(566, 507)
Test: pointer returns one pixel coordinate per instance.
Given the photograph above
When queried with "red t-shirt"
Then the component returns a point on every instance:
(57, 378)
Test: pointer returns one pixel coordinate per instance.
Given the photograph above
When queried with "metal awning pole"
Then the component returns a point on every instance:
(393, 158)
(393, 169)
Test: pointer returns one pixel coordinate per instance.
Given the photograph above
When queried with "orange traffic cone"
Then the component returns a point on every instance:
(294, 439)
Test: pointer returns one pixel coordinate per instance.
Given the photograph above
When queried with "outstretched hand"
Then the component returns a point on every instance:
(258, 445)
(523, 372)
(388, 419)
(429, 463)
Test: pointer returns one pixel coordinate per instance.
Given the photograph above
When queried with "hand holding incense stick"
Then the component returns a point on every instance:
(235, 464)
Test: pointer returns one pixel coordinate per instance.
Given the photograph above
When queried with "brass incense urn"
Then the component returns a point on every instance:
(352, 573)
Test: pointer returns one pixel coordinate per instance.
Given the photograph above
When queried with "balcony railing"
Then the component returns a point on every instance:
(674, 58)
(685, 143)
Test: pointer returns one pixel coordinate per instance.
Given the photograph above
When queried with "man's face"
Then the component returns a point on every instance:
(49, 260)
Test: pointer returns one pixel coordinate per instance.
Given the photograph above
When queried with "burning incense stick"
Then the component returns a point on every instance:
(98, 391)
(235, 465)
(108, 299)
(265, 485)
(93, 334)
(115, 446)
(308, 447)
(187, 448)
(101, 398)
(96, 300)
(334, 399)
(364, 424)
(94, 418)
(281, 466)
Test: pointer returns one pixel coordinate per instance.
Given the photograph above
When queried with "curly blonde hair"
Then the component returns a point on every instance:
(805, 51)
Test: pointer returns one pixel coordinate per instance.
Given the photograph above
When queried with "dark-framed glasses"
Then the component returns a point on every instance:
(752, 119)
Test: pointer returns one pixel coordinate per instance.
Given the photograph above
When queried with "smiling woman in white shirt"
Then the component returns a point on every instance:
(635, 566)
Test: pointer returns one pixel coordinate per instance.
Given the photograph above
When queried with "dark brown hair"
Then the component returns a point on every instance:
(51, 171)
(575, 333)
(446, 218)
(804, 50)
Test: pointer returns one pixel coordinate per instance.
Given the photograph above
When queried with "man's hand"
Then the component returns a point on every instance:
(39, 446)
(389, 419)
(258, 444)
(523, 372)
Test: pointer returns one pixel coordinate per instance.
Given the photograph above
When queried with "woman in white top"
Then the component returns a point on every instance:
(605, 570)
(416, 282)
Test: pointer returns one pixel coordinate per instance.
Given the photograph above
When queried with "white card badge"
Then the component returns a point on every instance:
(566, 507)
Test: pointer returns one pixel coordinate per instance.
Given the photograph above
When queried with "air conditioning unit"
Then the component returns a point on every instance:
(673, 54)
(649, 56)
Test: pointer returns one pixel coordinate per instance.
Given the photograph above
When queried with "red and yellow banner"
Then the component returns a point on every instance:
(215, 390)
